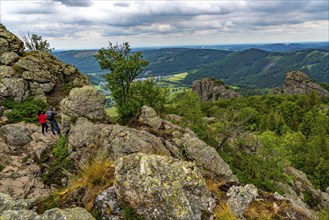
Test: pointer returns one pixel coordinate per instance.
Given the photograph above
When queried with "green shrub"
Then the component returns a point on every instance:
(60, 150)
(26, 111)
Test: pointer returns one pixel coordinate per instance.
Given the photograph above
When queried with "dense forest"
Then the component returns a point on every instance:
(260, 136)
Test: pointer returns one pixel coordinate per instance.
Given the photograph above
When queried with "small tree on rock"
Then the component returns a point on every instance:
(35, 42)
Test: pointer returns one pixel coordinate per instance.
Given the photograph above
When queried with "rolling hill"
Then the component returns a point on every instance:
(251, 67)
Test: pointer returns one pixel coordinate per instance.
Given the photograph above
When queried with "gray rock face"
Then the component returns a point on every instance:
(108, 200)
(297, 82)
(35, 73)
(302, 186)
(119, 141)
(8, 58)
(18, 209)
(212, 90)
(9, 42)
(7, 203)
(159, 187)
(240, 197)
(16, 135)
(204, 155)
(85, 102)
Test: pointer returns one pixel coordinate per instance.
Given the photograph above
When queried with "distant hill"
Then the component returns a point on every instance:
(251, 67)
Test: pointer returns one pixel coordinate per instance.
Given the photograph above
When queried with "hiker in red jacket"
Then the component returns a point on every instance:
(43, 121)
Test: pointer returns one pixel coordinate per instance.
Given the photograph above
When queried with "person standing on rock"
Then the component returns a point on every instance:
(43, 121)
(53, 123)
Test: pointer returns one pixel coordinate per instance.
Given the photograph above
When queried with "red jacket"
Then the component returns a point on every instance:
(42, 118)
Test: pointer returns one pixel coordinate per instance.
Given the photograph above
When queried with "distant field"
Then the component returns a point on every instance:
(174, 81)
(112, 112)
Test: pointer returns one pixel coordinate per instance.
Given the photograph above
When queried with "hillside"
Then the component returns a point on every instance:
(252, 67)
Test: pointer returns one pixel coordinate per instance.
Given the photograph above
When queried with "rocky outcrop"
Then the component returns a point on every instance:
(212, 90)
(297, 82)
(303, 190)
(37, 73)
(185, 145)
(160, 187)
(21, 146)
(20, 209)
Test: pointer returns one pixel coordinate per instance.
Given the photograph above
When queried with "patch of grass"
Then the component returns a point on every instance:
(112, 112)
(324, 214)
(223, 212)
(1, 167)
(94, 176)
(130, 214)
(43, 204)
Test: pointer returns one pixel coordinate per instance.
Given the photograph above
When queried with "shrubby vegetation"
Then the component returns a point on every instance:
(259, 136)
(25, 111)
(35, 42)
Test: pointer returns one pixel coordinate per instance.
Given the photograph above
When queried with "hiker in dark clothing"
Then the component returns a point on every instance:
(53, 123)
(43, 121)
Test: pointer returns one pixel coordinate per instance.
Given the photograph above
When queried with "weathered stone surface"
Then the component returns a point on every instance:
(204, 155)
(8, 203)
(240, 197)
(9, 42)
(19, 215)
(16, 135)
(159, 187)
(13, 87)
(297, 82)
(7, 71)
(108, 204)
(21, 175)
(302, 186)
(149, 117)
(8, 58)
(119, 141)
(212, 90)
(18, 209)
(67, 214)
(83, 133)
(85, 102)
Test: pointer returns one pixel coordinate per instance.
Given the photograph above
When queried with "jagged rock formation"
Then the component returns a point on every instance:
(212, 90)
(37, 73)
(297, 82)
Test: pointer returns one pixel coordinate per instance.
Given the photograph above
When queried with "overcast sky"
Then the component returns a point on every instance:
(78, 24)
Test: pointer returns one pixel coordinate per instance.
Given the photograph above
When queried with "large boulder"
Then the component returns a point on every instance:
(85, 102)
(212, 90)
(297, 82)
(119, 141)
(159, 187)
(16, 135)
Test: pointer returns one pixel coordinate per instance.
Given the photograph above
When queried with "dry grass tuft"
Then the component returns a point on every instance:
(93, 177)
(223, 212)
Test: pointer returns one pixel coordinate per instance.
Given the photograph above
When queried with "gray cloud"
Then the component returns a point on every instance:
(166, 19)
(75, 3)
